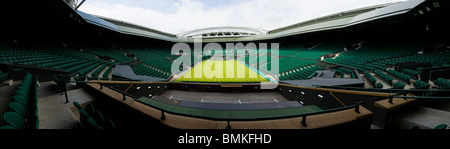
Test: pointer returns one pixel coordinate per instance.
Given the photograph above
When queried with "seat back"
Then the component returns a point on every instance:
(92, 124)
(108, 124)
(20, 99)
(13, 119)
(17, 107)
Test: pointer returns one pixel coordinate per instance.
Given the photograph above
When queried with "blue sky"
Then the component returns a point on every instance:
(174, 16)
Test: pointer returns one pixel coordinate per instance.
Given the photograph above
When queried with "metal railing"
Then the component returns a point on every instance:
(382, 90)
(302, 115)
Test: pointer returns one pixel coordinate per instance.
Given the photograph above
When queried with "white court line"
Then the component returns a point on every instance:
(275, 99)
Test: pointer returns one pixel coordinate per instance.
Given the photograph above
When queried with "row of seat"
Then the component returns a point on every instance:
(410, 72)
(97, 72)
(384, 76)
(90, 118)
(399, 75)
(107, 71)
(23, 110)
(117, 55)
(319, 51)
(306, 73)
(342, 70)
(442, 83)
(373, 80)
(289, 64)
(419, 84)
(145, 70)
(398, 85)
(72, 61)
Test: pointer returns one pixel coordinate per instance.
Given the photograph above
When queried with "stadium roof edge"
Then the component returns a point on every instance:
(329, 22)
(339, 15)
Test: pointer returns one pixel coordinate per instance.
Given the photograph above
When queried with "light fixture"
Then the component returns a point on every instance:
(320, 96)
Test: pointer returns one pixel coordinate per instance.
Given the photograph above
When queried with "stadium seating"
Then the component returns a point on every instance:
(398, 85)
(93, 119)
(399, 75)
(23, 110)
(302, 74)
(342, 71)
(419, 84)
(319, 51)
(442, 83)
(372, 56)
(384, 76)
(410, 72)
(373, 80)
(145, 70)
(117, 55)
(107, 71)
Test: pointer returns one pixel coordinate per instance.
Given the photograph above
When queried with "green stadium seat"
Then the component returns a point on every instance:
(20, 99)
(399, 85)
(13, 119)
(8, 127)
(384, 76)
(18, 108)
(92, 124)
(419, 84)
(441, 126)
(109, 124)
(98, 117)
(379, 85)
(90, 109)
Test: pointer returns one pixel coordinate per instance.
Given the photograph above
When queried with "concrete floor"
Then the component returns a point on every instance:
(54, 113)
(225, 97)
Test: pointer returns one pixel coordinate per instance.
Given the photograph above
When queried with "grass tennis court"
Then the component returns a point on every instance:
(221, 71)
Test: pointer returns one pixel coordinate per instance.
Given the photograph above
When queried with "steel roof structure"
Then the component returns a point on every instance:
(238, 34)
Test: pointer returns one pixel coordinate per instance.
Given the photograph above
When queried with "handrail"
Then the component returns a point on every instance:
(382, 90)
(416, 97)
(117, 90)
(421, 97)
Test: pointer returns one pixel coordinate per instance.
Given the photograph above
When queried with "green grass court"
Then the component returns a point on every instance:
(221, 71)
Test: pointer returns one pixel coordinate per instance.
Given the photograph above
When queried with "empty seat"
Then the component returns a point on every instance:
(399, 85)
(419, 84)
(18, 108)
(94, 120)
(108, 124)
(92, 124)
(13, 119)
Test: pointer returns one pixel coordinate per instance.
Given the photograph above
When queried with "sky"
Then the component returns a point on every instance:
(175, 16)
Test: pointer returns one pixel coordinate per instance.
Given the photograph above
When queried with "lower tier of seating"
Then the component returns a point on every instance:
(23, 110)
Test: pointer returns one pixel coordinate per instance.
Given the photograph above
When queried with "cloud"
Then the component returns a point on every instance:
(187, 15)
